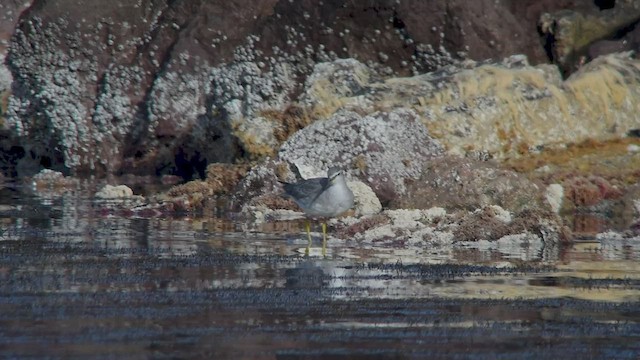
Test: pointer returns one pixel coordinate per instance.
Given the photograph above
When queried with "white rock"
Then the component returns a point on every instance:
(499, 213)
(434, 212)
(366, 201)
(554, 195)
(114, 192)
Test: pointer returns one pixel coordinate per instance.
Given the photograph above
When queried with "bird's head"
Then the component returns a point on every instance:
(333, 174)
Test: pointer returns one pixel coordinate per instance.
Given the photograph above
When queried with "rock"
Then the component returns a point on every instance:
(365, 200)
(510, 109)
(386, 147)
(523, 246)
(10, 11)
(435, 227)
(383, 150)
(114, 192)
(168, 87)
(411, 227)
(193, 196)
(120, 198)
(488, 223)
(337, 85)
(508, 112)
(612, 244)
(577, 33)
(223, 178)
(89, 82)
(459, 183)
(5, 83)
(590, 192)
(52, 182)
(554, 195)
(201, 195)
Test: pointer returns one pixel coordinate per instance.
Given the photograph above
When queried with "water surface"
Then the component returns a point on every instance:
(80, 280)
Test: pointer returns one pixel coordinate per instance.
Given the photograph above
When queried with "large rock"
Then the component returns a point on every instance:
(577, 35)
(387, 149)
(511, 108)
(10, 11)
(384, 150)
(90, 91)
(167, 87)
(456, 183)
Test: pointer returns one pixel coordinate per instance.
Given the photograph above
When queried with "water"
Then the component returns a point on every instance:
(80, 280)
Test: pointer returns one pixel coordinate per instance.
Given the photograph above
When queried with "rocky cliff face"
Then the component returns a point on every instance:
(167, 86)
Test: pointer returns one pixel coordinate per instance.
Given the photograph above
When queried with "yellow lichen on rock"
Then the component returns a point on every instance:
(604, 85)
(508, 111)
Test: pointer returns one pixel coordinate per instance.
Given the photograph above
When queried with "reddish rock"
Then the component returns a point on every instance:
(459, 183)
(587, 191)
(484, 224)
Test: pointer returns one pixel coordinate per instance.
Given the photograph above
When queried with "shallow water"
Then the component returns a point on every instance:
(77, 279)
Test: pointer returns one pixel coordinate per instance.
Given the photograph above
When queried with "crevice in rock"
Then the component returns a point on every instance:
(605, 4)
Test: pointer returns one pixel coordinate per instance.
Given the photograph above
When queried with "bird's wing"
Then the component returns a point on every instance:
(306, 190)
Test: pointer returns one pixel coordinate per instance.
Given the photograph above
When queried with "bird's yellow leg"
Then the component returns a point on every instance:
(324, 239)
(308, 227)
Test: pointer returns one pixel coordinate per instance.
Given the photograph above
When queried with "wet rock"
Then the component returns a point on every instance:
(460, 183)
(222, 178)
(120, 198)
(595, 179)
(490, 223)
(621, 209)
(402, 226)
(612, 242)
(199, 195)
(192, 196)
(524, 246)
(631, 200)
(49, 181)
(114, 192)
(437, 227)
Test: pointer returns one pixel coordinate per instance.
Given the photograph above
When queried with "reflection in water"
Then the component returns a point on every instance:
(348, 264)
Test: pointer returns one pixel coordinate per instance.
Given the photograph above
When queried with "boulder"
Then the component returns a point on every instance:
(384, 150)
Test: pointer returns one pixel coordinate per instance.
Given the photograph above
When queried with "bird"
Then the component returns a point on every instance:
(321, 197)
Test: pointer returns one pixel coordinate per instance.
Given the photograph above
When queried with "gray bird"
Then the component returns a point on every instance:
(322, 197)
